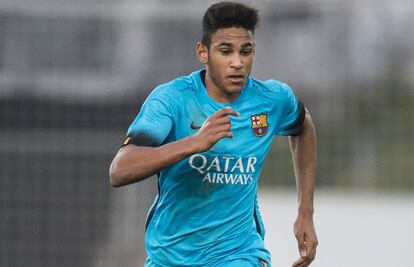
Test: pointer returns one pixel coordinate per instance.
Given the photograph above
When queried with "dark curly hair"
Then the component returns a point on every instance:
(226, 15)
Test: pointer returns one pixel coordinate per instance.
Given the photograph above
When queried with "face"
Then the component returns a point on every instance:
(228, 62)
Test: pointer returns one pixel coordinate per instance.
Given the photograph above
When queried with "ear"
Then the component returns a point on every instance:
(202, 53)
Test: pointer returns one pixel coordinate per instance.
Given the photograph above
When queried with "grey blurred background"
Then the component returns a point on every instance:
(73, 75)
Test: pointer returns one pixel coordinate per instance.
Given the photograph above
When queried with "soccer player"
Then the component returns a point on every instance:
(206, 136)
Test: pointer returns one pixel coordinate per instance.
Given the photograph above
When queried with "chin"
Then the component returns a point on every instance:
(235, 89)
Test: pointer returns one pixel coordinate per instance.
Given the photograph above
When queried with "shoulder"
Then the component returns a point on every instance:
(172, 90)
(272, 89)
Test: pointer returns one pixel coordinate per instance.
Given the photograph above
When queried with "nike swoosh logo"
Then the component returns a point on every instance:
(195, 127)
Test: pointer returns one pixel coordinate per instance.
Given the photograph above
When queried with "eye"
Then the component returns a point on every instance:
(225, 51)
(246, 52)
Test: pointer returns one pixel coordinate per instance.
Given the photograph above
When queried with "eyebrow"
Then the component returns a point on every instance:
(247, 44)
(225, 44)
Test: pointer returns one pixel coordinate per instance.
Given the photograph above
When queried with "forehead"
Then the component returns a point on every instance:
(235, 36)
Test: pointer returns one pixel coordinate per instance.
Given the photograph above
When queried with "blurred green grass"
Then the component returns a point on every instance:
(365, 140)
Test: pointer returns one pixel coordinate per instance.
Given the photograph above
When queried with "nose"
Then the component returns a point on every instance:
(236, 62)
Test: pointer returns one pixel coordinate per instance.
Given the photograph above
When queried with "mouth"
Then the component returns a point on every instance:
(236, 78)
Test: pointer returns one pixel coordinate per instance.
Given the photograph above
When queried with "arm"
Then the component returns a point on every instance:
(136, 163)
(303, 150)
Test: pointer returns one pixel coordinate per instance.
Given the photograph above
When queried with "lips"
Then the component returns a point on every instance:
(236, 78)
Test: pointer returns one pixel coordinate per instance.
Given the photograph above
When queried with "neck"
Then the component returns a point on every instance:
(216, 93)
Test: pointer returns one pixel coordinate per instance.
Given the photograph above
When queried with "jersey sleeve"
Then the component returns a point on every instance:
(293, 114)
(154, 121)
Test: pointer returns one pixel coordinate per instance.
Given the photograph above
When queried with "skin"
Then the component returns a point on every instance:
(126, 169)
(228, 62)
(303, 150)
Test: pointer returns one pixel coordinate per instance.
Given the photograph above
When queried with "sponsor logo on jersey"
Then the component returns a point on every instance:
(259, 124)
(224, 169)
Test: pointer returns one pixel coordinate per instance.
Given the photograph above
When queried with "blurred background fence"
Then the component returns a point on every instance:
(73, 75)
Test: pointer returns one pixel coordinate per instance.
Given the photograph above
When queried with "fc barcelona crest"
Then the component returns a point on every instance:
(259, 124)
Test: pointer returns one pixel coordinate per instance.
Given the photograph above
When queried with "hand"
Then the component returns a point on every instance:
(215, 128)
(307, 241)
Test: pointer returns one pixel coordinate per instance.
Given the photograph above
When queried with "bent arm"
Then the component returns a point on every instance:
(136, 163)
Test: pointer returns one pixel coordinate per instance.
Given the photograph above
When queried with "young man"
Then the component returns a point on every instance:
(206, 135)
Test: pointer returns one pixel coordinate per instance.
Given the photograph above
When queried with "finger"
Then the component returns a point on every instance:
(301, 244)
(311, 242)
(300, 262)
(312, 250)
(305, 261)
(309, 246)
(225, 112)
(222, 135)
(232, 111)
(219, 121)
(222, 128)
(214, 128)
(223, 120)
(214, 122)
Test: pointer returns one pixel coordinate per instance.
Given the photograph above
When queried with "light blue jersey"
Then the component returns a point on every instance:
(206, 211)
